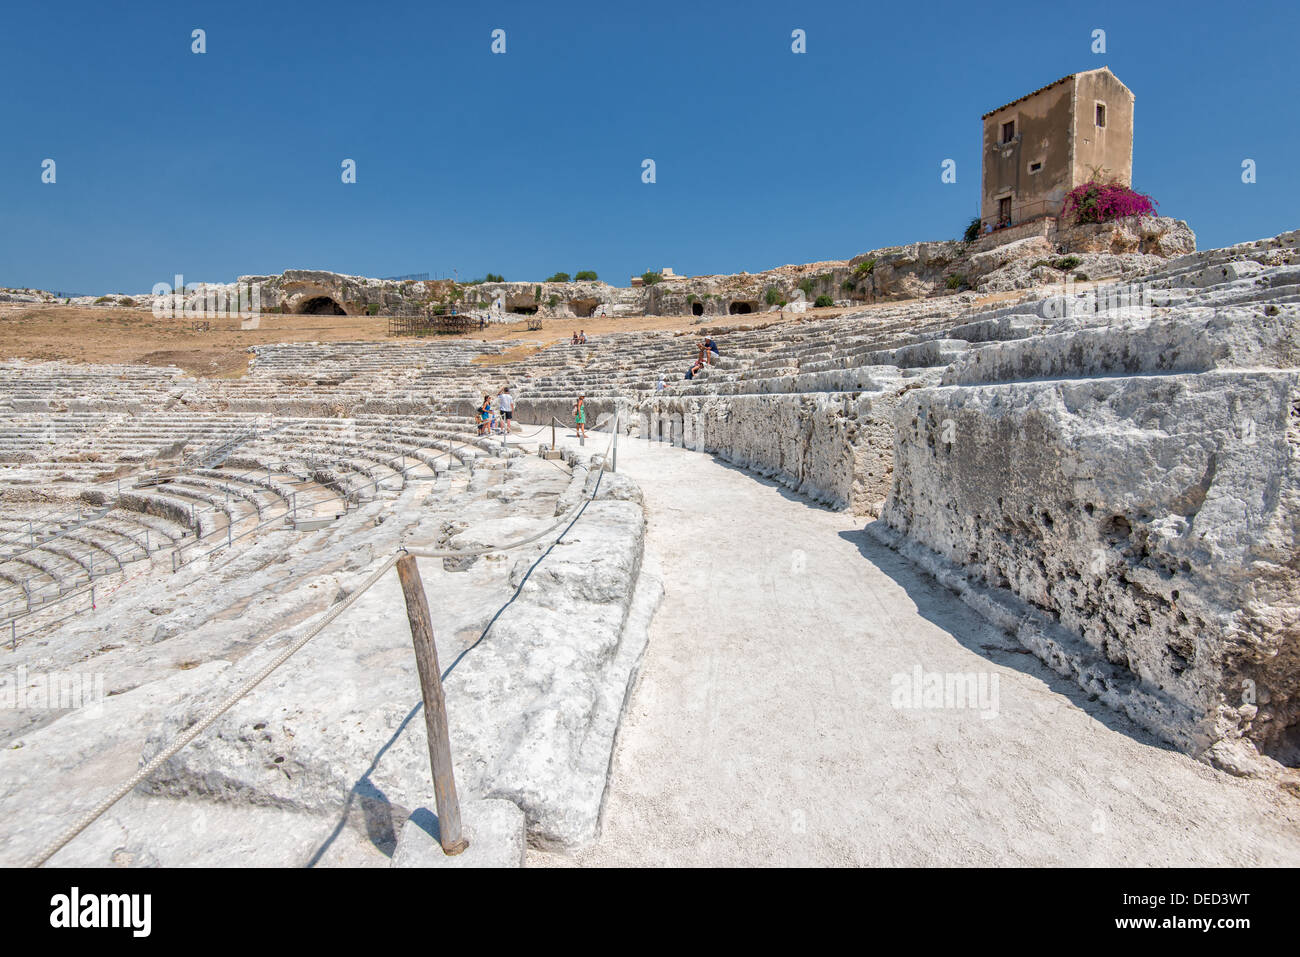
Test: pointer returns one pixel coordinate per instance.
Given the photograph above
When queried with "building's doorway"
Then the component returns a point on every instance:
(1004, 211)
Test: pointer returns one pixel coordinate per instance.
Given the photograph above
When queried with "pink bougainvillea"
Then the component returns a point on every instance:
(1101, 202)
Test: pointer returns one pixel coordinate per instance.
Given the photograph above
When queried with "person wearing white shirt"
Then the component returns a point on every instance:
(506, 403)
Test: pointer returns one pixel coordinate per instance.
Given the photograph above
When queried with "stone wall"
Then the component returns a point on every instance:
(1122, 494)
(834, 447)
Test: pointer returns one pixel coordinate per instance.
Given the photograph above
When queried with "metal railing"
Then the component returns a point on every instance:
(1020, 213)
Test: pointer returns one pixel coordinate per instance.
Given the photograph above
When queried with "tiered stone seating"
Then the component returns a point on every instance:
(171, 485)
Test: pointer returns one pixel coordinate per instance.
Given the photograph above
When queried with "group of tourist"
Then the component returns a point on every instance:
(579, 338)
(497, 417)
(708, 350)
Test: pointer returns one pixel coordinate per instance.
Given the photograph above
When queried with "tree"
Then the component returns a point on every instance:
(559, 277)
(585, 275)
(650, 278)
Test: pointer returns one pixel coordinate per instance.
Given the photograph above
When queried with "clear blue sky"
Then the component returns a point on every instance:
(526, 163)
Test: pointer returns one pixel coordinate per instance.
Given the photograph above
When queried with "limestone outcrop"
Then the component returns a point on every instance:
(1121, 493)
(1036, 254)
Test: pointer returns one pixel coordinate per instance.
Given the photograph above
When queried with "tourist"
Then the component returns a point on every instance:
(580, 416)
(485, 415)
(582, 338)
(711, 346)
(506, 402)
(660, 385)
(574, 341)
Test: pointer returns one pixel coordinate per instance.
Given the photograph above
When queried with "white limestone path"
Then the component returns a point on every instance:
(761, 730)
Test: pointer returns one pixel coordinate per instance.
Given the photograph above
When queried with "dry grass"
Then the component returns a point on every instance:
(135, 336)
(512, 354)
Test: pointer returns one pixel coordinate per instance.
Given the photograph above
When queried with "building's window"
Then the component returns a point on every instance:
(1101, 115)
(1008, 131)
(1004, 211)
(1035, 167)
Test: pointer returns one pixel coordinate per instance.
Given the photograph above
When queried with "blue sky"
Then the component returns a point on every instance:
(228, 163)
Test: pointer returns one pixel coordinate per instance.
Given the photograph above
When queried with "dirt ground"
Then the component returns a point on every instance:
(121, 335)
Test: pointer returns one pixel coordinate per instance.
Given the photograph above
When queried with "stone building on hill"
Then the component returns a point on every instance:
(1041, 146)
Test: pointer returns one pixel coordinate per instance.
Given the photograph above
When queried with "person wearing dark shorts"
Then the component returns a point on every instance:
(506, 403)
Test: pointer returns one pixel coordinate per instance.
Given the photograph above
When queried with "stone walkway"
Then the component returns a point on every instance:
(764, 727)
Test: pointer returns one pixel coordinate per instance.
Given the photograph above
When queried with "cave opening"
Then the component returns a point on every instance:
(321, 306)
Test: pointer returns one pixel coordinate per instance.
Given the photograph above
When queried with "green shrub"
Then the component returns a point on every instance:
(973, 230)
(585, 275)
(372, 309)
(103, 299)
(553, 301)
(823, 301)
(807, 286)
(559, 277)
(1064, 263)
(650, 278)
(848, 285)
(956, 281)
(126, 301)
(774, 297)
(865, 268)
(692, 298)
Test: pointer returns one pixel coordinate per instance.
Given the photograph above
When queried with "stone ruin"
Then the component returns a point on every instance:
(1038, 253)
(1107, 472)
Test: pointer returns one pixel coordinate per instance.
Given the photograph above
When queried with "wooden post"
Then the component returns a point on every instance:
(435, 706)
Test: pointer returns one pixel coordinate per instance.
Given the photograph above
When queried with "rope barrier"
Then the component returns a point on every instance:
(230, 700)
(171, 750)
